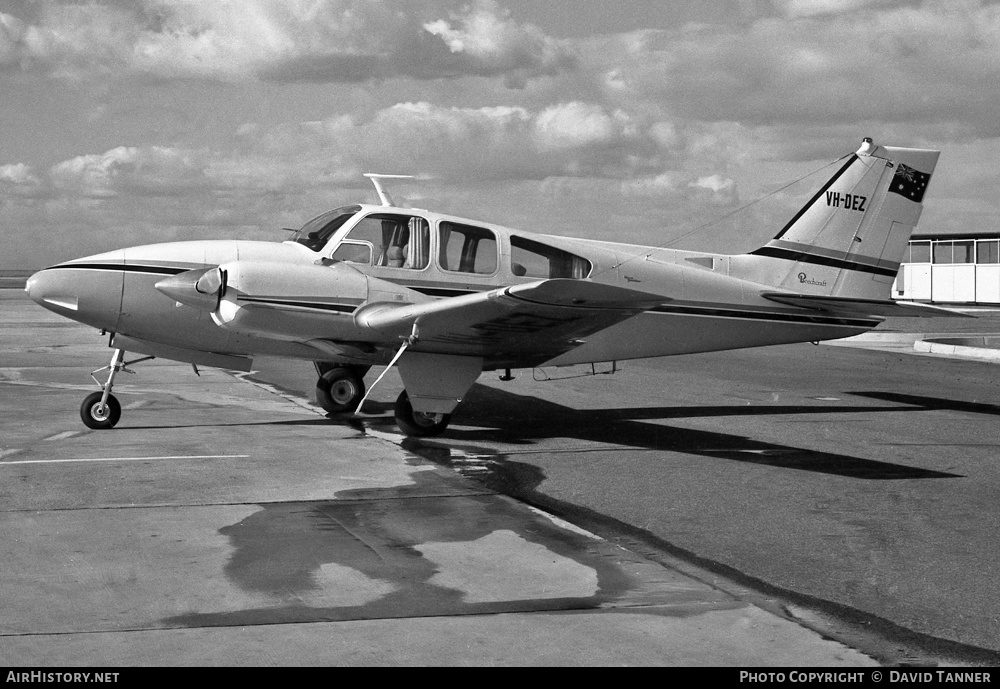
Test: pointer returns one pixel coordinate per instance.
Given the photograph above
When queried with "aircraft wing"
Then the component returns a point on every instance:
(863, 307)
(520, 325)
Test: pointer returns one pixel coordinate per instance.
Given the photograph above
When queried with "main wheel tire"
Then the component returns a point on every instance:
(339, 390)
(420, 424)
(97, 418)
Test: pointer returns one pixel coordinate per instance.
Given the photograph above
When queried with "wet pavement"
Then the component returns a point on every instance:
(228, 522)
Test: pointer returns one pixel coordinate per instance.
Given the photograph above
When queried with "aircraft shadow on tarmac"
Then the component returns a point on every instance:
(519, 420)
(933, 403)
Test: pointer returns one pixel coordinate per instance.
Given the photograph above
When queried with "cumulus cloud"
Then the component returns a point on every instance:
(492, 43)
(573, 124)
(807, 8)
(466, 146)
(499, 163)
(716, 189)
(281, 40)
(492, 142)
(143, 171)
(629, 136)
(17, 173)
(883, 61)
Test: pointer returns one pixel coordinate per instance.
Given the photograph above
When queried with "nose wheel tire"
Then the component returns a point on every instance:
(339, 390)
(416, 423)
(100, 417)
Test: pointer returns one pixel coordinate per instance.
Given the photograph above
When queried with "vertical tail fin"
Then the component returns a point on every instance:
(848, 240)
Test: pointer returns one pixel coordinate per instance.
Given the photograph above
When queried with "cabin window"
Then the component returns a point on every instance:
(354, 252)
(535, 260)
(392, 240)
(317, 232)
(467, 249)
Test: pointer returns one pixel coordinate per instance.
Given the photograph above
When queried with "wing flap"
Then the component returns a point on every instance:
(864, 307)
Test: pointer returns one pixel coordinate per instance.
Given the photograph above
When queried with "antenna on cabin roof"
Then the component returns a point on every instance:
(383, 195)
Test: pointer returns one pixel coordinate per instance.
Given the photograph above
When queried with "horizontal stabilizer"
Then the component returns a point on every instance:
(864, 307)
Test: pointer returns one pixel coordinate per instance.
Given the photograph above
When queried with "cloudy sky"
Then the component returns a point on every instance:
(128, 122)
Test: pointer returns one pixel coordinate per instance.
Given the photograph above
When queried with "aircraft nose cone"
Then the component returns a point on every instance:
(47, 288)
(87, 290)
(33, 283)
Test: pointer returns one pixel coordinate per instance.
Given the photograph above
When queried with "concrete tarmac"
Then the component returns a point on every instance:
(791, 506)
(225, 522)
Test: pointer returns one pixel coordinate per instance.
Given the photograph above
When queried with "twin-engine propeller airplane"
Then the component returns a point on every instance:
(446, 298)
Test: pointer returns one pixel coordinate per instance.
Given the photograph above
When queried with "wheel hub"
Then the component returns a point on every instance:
(343, 391)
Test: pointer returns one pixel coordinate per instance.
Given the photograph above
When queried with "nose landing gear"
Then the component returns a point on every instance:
(101, 410)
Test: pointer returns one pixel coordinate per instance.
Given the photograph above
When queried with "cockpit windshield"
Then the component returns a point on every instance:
(315, 233)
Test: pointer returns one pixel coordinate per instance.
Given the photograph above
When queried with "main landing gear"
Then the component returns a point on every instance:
(340, 388)
(418, 423)
(101, 410)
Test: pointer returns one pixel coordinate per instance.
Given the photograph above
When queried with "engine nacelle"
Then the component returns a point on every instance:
(202, 288)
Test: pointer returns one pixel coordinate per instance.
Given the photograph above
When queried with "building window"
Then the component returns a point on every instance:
(954, 251)
(918, 252)
(942, 252)
(963, 252)
(988, 251)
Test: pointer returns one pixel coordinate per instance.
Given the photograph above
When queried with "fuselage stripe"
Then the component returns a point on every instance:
(121, 268)
(803, 257)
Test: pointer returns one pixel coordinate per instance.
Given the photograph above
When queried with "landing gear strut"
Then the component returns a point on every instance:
(340, 389)
(417, 423)
(101, 410)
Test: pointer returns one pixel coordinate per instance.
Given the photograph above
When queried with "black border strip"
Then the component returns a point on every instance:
(448, 292)
(766, 316)
(340, 308)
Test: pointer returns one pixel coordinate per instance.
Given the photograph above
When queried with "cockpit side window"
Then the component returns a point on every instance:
(533, 259)
(317, 232)
(388, 240)
(467, 249)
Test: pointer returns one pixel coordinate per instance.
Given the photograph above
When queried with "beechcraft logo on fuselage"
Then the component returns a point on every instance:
(851, 202)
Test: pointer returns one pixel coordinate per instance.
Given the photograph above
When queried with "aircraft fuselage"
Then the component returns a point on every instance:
(306, 299)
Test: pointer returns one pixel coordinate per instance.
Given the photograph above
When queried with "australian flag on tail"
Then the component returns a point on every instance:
(909, 182)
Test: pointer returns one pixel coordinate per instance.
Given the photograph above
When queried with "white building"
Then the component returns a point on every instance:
(961, 269)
